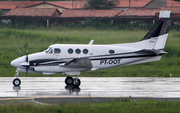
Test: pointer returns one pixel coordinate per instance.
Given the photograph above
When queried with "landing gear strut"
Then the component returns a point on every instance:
(73, 81)
(17, 81)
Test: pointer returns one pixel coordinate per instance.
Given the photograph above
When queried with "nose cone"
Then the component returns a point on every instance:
(14, 63)
(17, 62)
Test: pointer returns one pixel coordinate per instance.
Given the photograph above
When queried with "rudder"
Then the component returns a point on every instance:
(157, 36)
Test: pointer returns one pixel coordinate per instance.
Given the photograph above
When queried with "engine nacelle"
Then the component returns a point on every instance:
(57, 69)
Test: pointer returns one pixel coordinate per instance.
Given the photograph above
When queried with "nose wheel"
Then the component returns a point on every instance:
(16, 82)
(72, 81)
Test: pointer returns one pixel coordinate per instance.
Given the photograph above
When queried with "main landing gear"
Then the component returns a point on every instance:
(73, 81)
(17, 81)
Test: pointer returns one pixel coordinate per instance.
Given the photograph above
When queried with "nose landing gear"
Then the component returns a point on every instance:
(17, 81)
(73, 81)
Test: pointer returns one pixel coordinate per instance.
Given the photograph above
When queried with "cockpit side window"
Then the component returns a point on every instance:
(57, 51)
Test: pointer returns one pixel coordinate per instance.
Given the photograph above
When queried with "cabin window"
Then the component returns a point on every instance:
(111, 51)
(85, 51)
(78, 51)
(57, 51)
(70, 51)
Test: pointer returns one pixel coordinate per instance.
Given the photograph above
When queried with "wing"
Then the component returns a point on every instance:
(78, 63)
(69, 63)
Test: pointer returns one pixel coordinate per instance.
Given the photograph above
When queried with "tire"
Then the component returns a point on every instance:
(69, 80)
(76, 82)
(16, 82)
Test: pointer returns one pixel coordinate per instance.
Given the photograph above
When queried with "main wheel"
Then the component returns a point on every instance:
(16, 82)
(76, 82)
(69, 80)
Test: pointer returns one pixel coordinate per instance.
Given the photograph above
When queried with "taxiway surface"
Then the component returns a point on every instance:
(91, 87)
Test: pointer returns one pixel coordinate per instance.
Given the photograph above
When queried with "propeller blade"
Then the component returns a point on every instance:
(27, 60)
(27, 70)
(20, 53)
(27, 56)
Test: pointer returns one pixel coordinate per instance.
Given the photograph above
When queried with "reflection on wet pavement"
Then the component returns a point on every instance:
(91, 86)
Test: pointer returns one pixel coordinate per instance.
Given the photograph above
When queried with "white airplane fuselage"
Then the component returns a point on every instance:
(101, 56)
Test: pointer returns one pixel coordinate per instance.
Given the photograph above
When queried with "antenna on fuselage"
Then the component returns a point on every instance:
(91, 42)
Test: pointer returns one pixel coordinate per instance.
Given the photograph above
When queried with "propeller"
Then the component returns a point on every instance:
(20, 53)
(27, 56)
(27, 61)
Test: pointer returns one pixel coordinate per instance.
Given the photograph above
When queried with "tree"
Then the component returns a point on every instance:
(1, 13)
(100, 4)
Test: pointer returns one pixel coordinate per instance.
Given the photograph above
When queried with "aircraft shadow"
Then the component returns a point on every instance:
(16, 89)
(72, 89)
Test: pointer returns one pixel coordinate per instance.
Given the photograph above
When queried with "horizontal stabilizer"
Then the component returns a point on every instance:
(164, 14)
(151, 52)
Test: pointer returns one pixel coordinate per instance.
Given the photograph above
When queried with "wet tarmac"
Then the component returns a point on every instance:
(91, 87)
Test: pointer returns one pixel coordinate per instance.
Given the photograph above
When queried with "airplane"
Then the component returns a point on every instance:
(71, 59)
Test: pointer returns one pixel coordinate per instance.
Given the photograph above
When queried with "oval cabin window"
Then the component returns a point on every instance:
(85, 51)
(70, 51)
(78, 51)
(111, 51)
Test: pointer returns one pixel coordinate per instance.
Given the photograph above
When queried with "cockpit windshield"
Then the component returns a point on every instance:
(48, 50)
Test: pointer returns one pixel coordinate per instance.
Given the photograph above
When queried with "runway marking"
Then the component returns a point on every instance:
(19, 98)
(40, 103)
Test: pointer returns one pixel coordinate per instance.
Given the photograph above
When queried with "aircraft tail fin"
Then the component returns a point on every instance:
(157, 36)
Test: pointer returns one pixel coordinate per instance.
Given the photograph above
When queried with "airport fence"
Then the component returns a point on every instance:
(98, 22)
